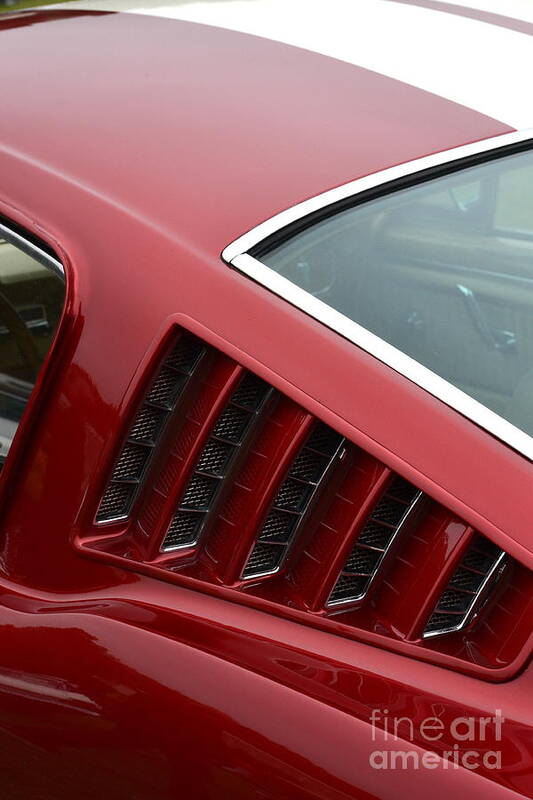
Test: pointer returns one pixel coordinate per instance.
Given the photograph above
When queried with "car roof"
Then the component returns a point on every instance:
(208, 131)
(445, 48)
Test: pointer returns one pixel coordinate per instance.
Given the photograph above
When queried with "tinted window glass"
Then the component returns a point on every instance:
(31, 301)
(513, 202)
(443, 271)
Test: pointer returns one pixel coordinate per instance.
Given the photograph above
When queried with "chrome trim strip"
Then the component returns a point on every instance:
(110, 521)
(356, 187)
(33, 250)
(236, 256)
(477, 600)
(388, 354)
(411, 509)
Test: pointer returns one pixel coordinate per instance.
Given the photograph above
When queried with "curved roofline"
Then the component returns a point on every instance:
(409, 169)
(237, 255)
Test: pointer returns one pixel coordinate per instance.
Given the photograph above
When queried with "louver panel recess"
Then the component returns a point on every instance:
(159, 403)
(224, 482)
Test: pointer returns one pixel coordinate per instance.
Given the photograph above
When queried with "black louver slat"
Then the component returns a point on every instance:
(469, 587)
(374, 542)
(292, 502)
(160, 401)
(215, 460)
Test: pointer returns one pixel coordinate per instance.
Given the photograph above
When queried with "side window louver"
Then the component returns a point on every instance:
(223, 478)
(158, 404)
(375, 543)
(214, 464)
(473, 582)
(293, 502)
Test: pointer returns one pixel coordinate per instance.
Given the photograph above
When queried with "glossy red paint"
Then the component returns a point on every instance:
(117, 684)
(172, 694)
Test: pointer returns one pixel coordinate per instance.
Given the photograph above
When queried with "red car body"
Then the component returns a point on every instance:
(138, 149)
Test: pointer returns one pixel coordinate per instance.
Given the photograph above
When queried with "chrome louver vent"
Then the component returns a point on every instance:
(375, 542)
(293, 502)
(216, 459)
(469, 588)
(159, 403)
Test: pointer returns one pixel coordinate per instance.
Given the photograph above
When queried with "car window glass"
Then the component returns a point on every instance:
(31, 302)
(429, 271)
(513, 205)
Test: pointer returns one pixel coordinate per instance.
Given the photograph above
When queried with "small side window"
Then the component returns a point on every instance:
(32, 294)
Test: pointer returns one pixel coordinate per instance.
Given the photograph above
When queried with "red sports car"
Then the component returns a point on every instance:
(266, 401)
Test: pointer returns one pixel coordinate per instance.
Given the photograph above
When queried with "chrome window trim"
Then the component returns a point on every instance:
(32, 249)
(236, 256)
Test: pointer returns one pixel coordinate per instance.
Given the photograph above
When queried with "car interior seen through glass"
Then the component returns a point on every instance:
(443, 271)
(31, 301)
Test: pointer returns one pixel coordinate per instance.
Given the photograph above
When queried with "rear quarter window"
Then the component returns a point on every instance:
(443, 271)
(32, 295)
